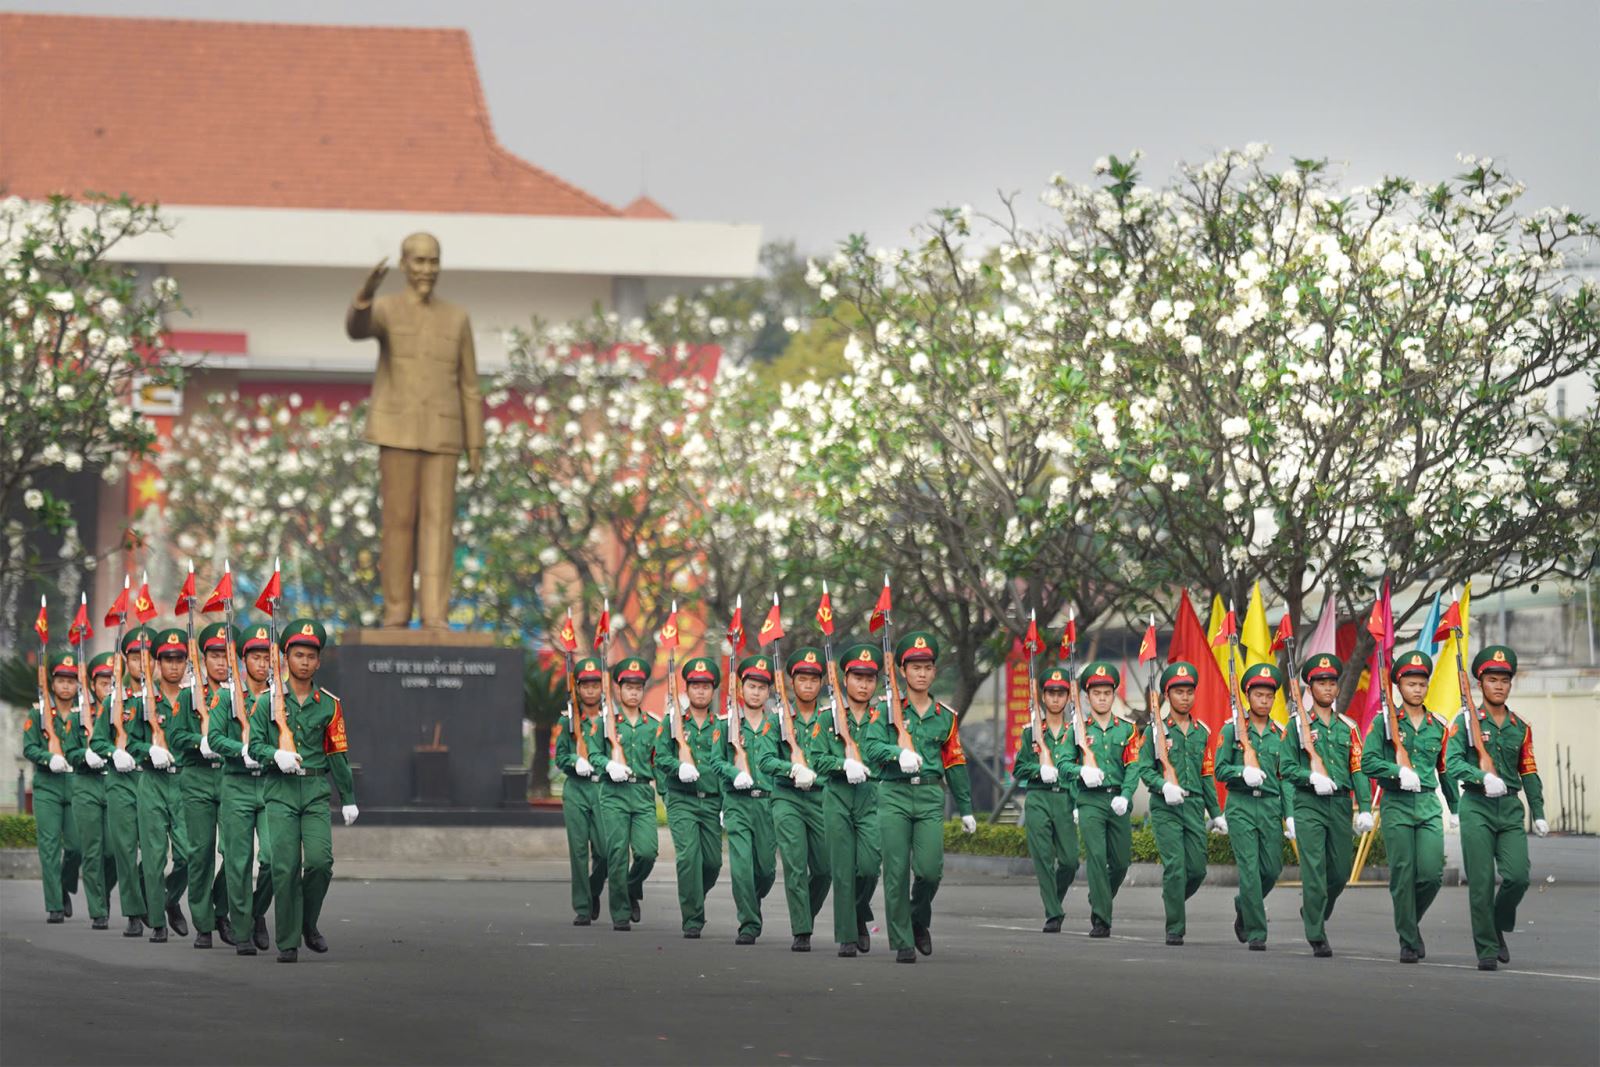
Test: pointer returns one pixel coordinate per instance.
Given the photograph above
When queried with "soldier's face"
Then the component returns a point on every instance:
(216, 665)
(806, 687)
(171, 668)
(1413, 690)
(136, 666)
(1324, 691)
(420, 259)
(1495, 687)
(1055, 701)
(754, 692)
(303, 661)
(700, 694)
(859, 686)
(64, 687)
(102, 687)
(631, 694)
(256, 665)
(1101, 697)
(1261, 698)
(919, 675)
(589, 692)
(1181, 698)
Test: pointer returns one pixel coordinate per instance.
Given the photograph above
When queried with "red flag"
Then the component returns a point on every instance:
(1284, 635)
(880, 611)
(220, 596)
(1451, 620)
(185, 595)
(1230, 626)
(1190, 645)
(80, 631)
(1069, 637)
(1147, 647)
(569, 634)
(602, 629)
(1380, 624)
(41, 625)
(1032, 645)
(825, 612)
(772, 628)
(668, 637)
(736, 629)
(273, 590)
(118, 611)
(144, 609)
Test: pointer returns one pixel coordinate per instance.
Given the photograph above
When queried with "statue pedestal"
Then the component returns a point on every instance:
(434, 717)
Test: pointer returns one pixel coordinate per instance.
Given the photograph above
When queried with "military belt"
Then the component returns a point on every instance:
(1477, 790)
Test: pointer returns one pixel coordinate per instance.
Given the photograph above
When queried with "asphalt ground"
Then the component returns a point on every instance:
(494, 972)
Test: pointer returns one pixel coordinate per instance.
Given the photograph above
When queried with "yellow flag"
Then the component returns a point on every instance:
(1256, 636)
(1219, 614)
(1444, 690)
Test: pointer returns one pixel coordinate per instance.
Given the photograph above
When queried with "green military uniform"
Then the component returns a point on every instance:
(122, 793)
(89, 803)
(1180, 829)
(1256, 813)
(752, 846)
(200, 793)
(299, 830)
(628, 807)
(694, 808)
(580, 803)
(161, 824)
(242, 816)
(1047, 815)
(797, 814)
(911, 804)
(1322, 822)
(1413, 836)
(850, 817)
(59, 858)
(1105, 834)
(1492, 832)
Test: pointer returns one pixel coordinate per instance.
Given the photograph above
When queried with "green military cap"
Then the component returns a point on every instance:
(254, 638)
(1494, 659)
(1099, 672)
(1415, 662)
(758, 667)
(630, 669)
(217, 637)
(303, 632)
(171, 644)
(702, 669)
(916, 645)
(588, 669)
(1262, 675)
(104, 663)
(862, 658)
(806, 659)
(1056, 678)
(1321, 667)
(1179, 672)
(64, 664)
(138, 639)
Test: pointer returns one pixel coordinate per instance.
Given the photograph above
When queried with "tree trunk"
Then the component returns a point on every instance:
(539, 784)
(1352, 670)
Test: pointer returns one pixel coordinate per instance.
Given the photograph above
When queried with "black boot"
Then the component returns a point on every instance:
(802, 943)
(1422, 950)
(847, 949)
(288, 955)
(906, 955)
(863, 938)
(581, 920)
(202, 940)
(1321, 949)
(1099, 929)
(225, 930)
(745, 939)
(692, 935)
(244, 948)
(1488, 965)
(66, 904)
(1053, 926)
(135, 928)
(623, 925)
(1258, 946)
(1175, 939)
(315, 941)
(923, 939)
(54, 917)
(175, 919)
(102, 923)
(1408, 954)
(258, 934)
(1504, 955)
(159, 935)
(1238, 923)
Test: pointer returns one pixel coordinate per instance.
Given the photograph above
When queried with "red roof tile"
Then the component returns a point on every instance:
(645, 208)
(260, 115)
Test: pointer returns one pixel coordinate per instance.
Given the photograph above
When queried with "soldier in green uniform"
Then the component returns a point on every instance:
(90, 770)
(1104, 793)
(1412, 834)
(1188, 805)
(747, 788)
(44, 745)
(200, 790)
(628, 798)
(122, 786)
(1258, 804)
(160, 801)
(796, 804)
(1047, 815)
(242, 814)
(580, 795)
(850, 805)
(1322, 801)
(1492, 831)
(296, 787)
(694, 793)
(911, 797)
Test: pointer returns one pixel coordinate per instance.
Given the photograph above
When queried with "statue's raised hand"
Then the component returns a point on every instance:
(369, 288)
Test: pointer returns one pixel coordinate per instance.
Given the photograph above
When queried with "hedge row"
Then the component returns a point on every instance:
(996, 839)
(18, 831)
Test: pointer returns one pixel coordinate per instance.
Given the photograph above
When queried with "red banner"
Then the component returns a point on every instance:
(1015, 709)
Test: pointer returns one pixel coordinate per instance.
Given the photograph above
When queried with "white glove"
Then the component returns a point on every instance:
(910, 762)
(1493, 785)
(969, 825)
(121, 760)
(249, 760)
(722, 820)
(688, 773)
(743, 781)
(1409, 780)
(1048, 774)
(287, 761)
(584, 768)
(1541, 827)
(854, 772)
(160, 757)
(1092, 777)
(804, 776)
(1288, 828)
(1172, 793)
(59, 764)
(1119, 805)
(349, 811)
(617, 770)
(1253, 777)
(1321, 784)
(205, 748)
(1074, 816)
(1364, 822)
(1220, 825)
(1455, 821)
(93, 759)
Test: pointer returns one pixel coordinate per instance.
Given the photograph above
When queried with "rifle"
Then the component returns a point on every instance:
(158, 736)
(198, 685)
(674, 708)
(608, 714)
(1474, 732)
(1391, 720)
(119, 667)
(580, 745)
(1035, 704)
(236, 691)
(1158, 727)
(275, 678)
(47, 704)
(785, 709)
(1302, 728)
(1241, 728)
(735, 708)
(1080, 733)
(891, 684)
(841, 710)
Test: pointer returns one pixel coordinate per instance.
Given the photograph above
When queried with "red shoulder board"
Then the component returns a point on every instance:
(334, 739)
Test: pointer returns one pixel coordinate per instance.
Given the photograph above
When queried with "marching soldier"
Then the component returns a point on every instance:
(301, 749)
(1412, 834)
(1322, 801)
(200, 791)
(911, 799)
(1188, 806)
(122, 786)
(752, 847)
(796, 805)
(52, 784)
(628, 799)
(1492, 832)
(580, 796)
(242, 818)
(160, 802)
(1258, 804)
(694, 794)
(850, 806)
(1047, 815)
(1104, 793)
(89, 798)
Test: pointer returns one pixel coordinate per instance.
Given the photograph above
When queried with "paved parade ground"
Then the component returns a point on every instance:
(494, 972)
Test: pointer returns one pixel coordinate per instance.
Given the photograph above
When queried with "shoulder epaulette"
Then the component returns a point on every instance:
(1348, 721)
(1202, 725)
(1277, 727)
(330, 692)
(1123, 716)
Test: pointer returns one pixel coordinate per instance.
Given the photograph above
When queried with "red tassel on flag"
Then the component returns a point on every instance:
(880, 611)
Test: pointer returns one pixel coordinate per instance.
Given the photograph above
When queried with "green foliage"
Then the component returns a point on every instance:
(18, 831)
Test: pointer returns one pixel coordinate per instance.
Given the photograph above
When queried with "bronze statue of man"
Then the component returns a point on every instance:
(426, 410)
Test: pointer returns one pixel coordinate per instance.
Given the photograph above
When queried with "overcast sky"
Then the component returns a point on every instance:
(823, 118)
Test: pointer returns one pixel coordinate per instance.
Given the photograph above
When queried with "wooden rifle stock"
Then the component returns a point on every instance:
(841, 709)
(891, 683)
(1080, 732)
(579, 744)
(158, 735)
(47, 709)
(1158, 736)
(786, 709)
(1391, 720)
(1303, 726)
(277, 683)
(675, 710)
(1468, 711)
(1241, 728)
